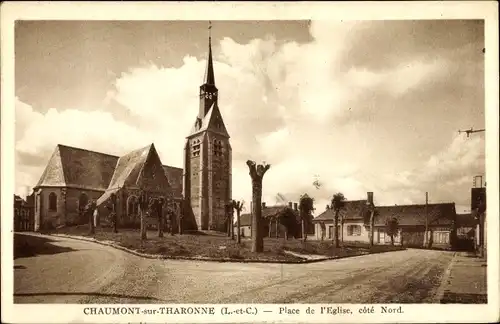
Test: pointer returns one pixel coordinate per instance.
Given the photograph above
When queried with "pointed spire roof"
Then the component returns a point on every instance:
(209, 73)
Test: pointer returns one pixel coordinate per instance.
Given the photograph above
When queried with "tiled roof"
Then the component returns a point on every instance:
(75, 167)
(410, 215)
(353, 210)
(466, 220)
(174, 176)
(407, 215)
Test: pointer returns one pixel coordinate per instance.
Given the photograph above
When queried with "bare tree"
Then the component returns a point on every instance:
(159, 213)
(238, 206)
(181, 216)
(143, 205)
(392, 226)
(338, 203)
(257, 174)
(306, 206)
(89, 212)
(114, 216)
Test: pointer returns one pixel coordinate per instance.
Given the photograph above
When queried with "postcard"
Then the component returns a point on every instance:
(229, 162)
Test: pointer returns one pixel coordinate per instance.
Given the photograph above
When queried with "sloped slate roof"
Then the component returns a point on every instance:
(75, 167)
(411, 215)
(353, 210)
(407, 215)
(174, 176)
(466, 220)
(209, 122)
(85, 169)
(128, 167)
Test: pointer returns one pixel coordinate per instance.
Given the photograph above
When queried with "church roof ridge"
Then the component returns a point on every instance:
(85, 150)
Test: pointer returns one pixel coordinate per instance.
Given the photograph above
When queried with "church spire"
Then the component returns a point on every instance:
(209, 73)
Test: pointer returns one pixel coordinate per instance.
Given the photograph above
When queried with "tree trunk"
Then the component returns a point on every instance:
(342, 231)
(303, 230)
(269, 230)
(238, 235)
(178, 213)
(392, 239)
(160, 220)
(232, 224)
(143, 223)
(91, 220)
(431, 239)
(257, 239)
(372, 227)
(335, 229)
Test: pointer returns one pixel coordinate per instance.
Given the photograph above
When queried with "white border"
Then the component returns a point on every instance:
(10, 11)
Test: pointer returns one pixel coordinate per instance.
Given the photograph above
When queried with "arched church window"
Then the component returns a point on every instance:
(52, 201)
(132, 207)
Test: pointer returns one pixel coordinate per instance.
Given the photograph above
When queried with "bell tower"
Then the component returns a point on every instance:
(207, 157)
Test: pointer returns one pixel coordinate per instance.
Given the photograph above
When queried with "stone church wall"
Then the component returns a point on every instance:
(73, 197)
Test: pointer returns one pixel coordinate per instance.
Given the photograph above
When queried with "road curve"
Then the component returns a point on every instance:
(85, 272)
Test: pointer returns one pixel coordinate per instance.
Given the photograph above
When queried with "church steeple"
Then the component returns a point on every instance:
(209, 73)
(208, 90)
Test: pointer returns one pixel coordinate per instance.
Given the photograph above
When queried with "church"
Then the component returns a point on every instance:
(198, 193)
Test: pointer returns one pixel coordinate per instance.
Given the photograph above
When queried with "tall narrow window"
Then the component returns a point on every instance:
(52, 201)
(196, 147)
(217, 148)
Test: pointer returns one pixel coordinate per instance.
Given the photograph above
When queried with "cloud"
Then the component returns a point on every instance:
(316, 109)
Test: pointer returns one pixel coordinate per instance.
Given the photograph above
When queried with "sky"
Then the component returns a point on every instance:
(357, 105)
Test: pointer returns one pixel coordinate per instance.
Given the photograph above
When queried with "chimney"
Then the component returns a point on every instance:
(263, 205)
(295, 206)
(370, 197)
(290, 205)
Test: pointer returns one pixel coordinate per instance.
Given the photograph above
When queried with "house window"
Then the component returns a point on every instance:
(441, 237)
(330, 231)
(353, 230)
(52, 201)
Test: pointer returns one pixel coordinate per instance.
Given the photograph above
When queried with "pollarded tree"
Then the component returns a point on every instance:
(338, 203)
(89, 212)
(306, 206)
(159, 213)
(257, 174)
(143, 205)
(114, 216)
(238, 206)
(391, 227)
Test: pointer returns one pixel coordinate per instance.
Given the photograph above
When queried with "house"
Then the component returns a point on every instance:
(478, 210)
(199, 192)
(276, 221)
(466, 226)
(24, 216)
(412, 221)
(352, 216)
(466, 232)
